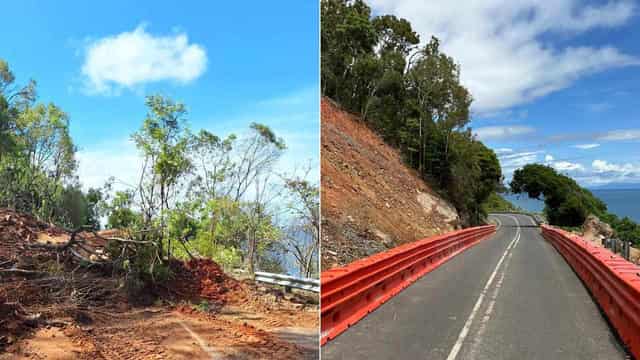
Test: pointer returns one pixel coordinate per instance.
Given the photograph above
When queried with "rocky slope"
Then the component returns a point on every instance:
(371, 201)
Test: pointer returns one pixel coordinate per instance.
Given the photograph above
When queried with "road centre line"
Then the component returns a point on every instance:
(465, 329)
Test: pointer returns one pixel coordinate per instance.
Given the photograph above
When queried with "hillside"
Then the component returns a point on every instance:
(371, 201)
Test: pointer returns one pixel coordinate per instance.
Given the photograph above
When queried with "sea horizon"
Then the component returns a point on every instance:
(621, 202)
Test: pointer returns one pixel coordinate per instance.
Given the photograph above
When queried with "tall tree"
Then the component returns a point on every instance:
(13, 100)
(304, 236)
(163, 141)
(257, 155)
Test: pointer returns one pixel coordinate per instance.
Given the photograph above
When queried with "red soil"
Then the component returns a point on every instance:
(369, 196)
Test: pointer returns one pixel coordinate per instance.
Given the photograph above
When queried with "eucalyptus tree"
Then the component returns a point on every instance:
(303, 238)
(164, 142)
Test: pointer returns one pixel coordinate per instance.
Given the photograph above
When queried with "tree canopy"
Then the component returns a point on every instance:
(411, 94)
(37, 157)
(566, 202)
(199, 194)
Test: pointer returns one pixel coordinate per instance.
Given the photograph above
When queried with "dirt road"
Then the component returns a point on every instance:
(156, 333)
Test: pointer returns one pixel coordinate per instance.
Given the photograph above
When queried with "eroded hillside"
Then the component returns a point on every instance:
(371, 201)
(60, 298)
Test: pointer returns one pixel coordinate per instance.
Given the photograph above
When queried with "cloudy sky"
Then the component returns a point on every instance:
(554, 82)
(230, 63)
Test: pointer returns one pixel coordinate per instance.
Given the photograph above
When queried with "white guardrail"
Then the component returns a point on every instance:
(288, 281)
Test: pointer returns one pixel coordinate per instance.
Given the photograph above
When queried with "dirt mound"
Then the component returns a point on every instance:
(19, 231)
(51, 287)
(370, 200)
(41, 280)
(201, 279)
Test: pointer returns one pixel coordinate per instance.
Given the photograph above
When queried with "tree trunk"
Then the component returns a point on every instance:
(251, 255)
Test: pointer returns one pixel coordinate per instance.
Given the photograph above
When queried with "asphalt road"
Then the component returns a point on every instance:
(511, 296)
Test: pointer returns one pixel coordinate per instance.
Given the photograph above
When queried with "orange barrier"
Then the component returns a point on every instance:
(613, 281)
(351, 292)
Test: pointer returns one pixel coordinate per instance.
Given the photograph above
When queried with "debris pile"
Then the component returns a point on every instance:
(55, 278)
(201, 279)
(41, 277)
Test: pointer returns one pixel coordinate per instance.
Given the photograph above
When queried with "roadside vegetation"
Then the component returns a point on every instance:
(198, 195)
(496, 203)
(412, 96)
(567, 204)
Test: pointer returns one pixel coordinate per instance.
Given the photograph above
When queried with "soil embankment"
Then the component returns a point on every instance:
(371, 200)
(60, 299)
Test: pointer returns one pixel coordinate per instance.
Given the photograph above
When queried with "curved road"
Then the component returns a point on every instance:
(511, 296)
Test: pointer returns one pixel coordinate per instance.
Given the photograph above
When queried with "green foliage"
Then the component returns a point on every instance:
(37, 157)
(93, 200)
(120, 211)
(191, 199)
(203, 306)
(496, 203)
(303, 236)
(567, 204)
(268, 136)
(76, 205)
(411, 95)
(625, 228)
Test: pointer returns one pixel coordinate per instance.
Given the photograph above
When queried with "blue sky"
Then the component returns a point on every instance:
(554, 82)
(231, 63)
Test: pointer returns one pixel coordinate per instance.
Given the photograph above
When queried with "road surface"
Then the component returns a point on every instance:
(511, 296)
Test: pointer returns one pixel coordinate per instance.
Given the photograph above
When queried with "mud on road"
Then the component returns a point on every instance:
(53, 307)
(156, 333)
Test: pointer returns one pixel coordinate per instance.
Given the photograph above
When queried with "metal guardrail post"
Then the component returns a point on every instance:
(627, 250)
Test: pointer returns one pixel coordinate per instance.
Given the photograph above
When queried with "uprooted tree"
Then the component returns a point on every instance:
(197, 194)
(203, 195)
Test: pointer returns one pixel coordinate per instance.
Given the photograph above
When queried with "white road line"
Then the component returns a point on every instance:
(201, 342)
(499, 223)
(494, 297)
(465, 329)
(533, 222)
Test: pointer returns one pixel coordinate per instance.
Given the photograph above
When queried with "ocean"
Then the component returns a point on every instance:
(620, 202)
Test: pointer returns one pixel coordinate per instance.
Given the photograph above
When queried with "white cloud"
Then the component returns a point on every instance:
(502, 132)
(566, 166)
(586, 146)
(602, 166)
(604, 172)
(503, 151)
(562, 165)
(131, 59)
(620, 135)
(519, 159)
(502, 46)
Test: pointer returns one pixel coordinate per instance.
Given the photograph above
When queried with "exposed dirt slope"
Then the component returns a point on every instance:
(371, 201)
(55, 305)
